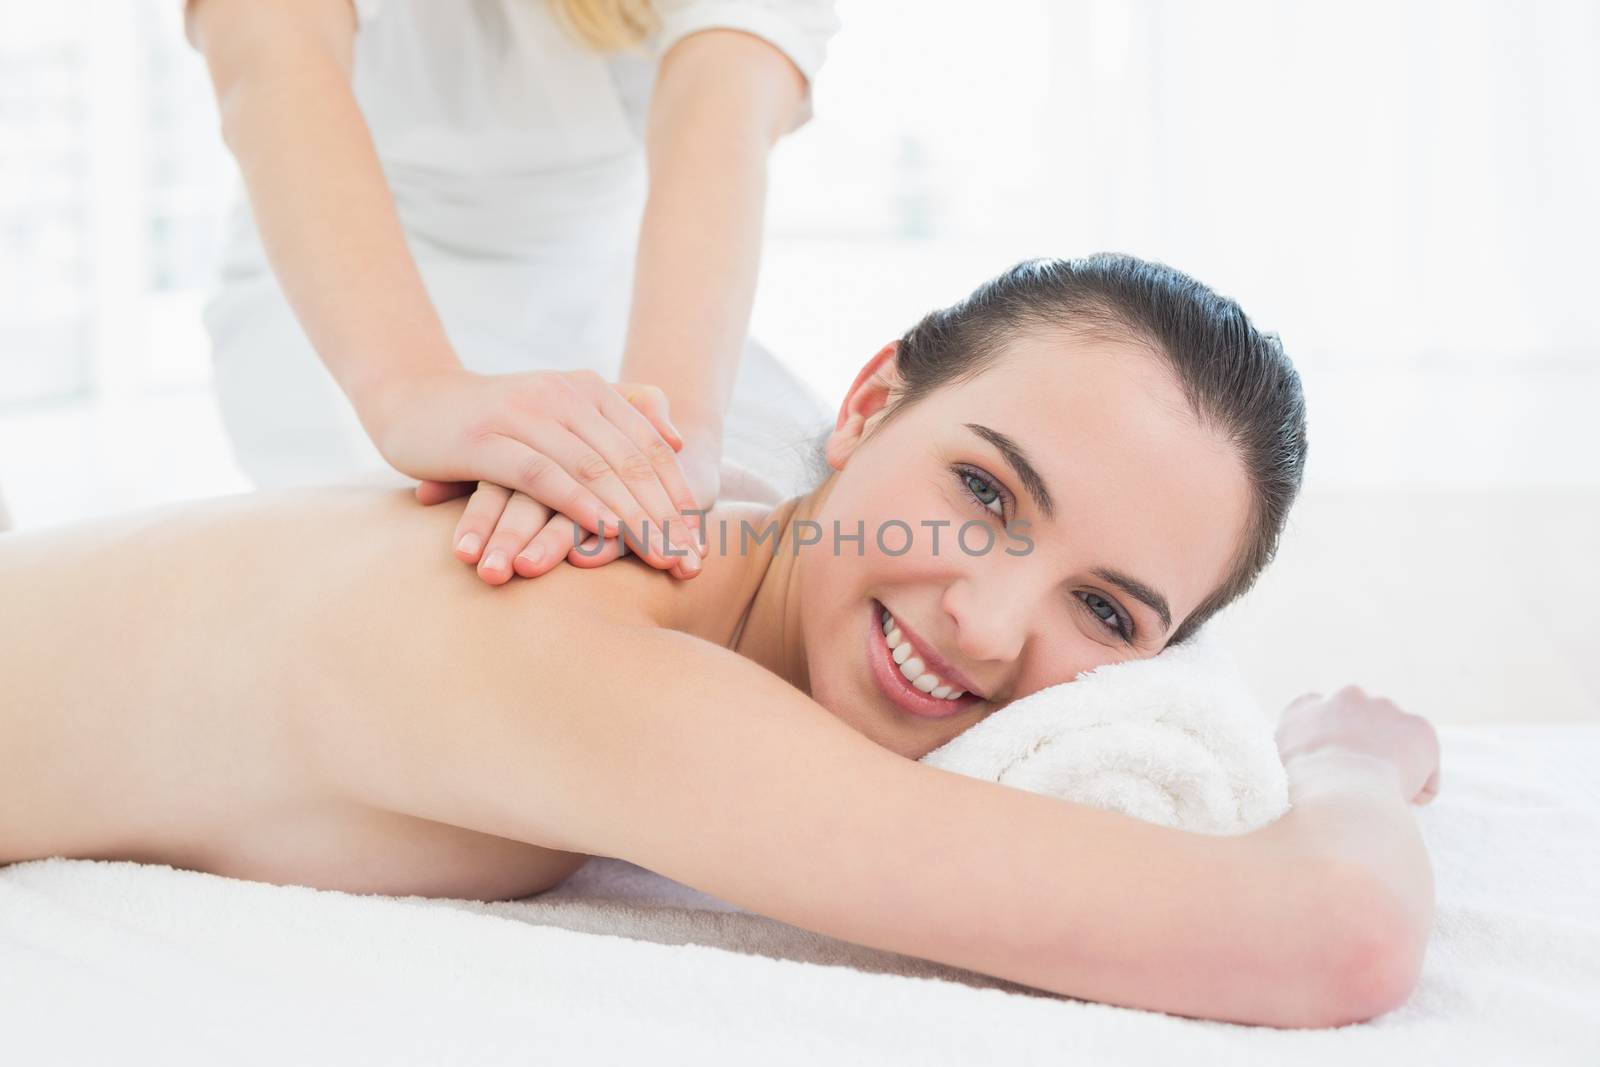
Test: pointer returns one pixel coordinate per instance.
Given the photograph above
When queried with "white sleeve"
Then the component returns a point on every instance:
(800, 29)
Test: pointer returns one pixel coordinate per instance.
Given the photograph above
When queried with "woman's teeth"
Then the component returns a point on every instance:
(916, 672)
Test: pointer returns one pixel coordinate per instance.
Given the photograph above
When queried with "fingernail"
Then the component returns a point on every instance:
(496, 561)
(469, 543)
(533, 556)
(691, 563)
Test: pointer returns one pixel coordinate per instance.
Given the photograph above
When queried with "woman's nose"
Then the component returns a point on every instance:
(992, 617)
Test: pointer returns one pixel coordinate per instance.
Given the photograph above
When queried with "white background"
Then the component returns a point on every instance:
(1404, 191)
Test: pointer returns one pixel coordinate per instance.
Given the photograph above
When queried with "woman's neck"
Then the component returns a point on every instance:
(751, 603)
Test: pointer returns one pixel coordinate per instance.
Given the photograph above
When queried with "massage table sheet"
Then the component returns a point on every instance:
(121, 962)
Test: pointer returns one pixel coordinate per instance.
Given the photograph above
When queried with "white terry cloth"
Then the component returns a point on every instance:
(124, 963)
(1177, 739)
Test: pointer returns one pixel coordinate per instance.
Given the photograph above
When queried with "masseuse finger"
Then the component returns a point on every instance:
(612, 549)
(565, 449)
(548, 547)
(633, 473)
(523, 518)
(650, 400)
(632, 413)
(477, 521)
(536, 461)
(431, 492)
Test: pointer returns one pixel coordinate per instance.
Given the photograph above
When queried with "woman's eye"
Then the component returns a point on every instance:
(983, 490)
(1112, 617)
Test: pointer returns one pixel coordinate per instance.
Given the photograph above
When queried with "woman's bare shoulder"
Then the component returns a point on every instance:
(707, 606)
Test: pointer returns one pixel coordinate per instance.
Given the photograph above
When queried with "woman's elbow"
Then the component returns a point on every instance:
(1345, 952)
(1377, 959)
(1336, 950)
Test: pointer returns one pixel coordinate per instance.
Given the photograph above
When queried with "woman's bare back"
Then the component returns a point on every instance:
(167, 723)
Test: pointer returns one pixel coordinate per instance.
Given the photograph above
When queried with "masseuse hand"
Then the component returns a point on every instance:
(701, 460)
(565, 441)
(1351, 724)
(504, 531)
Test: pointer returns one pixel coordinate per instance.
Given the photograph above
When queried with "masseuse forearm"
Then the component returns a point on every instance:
(324, 211)
(723, 99)
(695, 279)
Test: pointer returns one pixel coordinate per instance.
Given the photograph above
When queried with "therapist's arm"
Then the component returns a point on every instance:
(330, 229)
(722, 100)
(317, 192)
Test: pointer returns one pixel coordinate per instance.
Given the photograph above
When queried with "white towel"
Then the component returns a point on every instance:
(1177, 739)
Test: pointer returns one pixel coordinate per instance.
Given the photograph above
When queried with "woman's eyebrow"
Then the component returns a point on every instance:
(1150, 598)
(1018, 459)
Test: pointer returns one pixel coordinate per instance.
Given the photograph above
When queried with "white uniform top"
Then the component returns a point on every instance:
(515, 154)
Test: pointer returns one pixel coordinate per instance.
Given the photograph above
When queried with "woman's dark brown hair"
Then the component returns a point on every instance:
(1237, 380)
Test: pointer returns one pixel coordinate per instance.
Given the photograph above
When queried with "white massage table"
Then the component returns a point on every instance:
(117, 962)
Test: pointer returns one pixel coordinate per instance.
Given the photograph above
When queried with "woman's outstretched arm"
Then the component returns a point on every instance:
(684, 758)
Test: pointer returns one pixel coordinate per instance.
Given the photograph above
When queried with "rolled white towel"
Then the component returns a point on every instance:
(1177, 739)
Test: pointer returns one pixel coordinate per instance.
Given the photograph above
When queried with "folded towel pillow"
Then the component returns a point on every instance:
(1176, 739)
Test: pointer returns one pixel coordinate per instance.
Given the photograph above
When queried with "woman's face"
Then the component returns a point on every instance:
(1010, 525)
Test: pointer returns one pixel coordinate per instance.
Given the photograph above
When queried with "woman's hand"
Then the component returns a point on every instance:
(504, 532)
(564, 441)
(1356, 763)
(1352, 723)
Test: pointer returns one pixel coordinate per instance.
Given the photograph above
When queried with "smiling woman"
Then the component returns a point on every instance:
(306, 703)
(1128, 425)
(1211, 364)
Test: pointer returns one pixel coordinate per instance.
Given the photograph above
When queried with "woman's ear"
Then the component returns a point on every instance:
(867, 396)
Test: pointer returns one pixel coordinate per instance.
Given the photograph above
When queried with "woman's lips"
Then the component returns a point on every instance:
(935, 662)
(896, 686)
